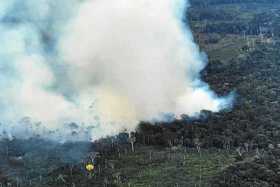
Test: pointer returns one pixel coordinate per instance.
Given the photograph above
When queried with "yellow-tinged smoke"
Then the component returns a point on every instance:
(102, 64)
(114, 107)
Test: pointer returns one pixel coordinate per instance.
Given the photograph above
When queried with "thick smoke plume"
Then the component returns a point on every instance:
(73, 69)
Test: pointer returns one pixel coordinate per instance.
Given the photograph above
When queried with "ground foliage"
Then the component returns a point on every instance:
(235, 147)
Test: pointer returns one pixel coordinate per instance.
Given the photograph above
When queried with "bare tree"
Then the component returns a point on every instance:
(246, 145)
(240, 151)
(197, 144)
(132, 140)
(259, 154)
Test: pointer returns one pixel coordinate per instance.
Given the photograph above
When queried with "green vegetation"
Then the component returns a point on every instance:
(181, 168)
(238, 147)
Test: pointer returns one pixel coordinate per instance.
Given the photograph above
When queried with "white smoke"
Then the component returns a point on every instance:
(102, 64)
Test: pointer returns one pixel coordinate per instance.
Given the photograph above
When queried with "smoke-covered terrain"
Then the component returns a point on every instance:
(68, 73)
(103, 65)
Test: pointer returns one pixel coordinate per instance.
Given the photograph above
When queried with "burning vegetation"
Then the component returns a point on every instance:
(239, 146)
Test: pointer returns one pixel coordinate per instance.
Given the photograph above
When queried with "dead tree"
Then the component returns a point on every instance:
(240, 151)
(132, 140)
(246, 145)
(197, 144)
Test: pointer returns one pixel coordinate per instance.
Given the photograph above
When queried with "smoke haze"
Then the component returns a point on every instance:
(80, 70)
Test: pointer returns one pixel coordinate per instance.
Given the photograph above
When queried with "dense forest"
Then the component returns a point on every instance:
(239, 146)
